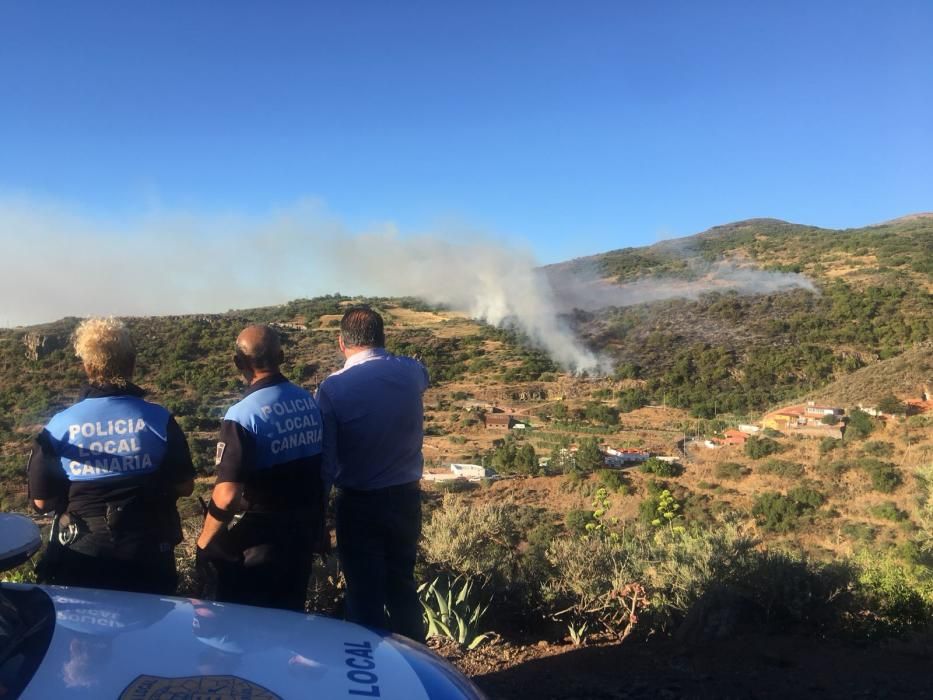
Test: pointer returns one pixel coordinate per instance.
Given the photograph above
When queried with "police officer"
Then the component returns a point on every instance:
(269, 469)
(111, 467)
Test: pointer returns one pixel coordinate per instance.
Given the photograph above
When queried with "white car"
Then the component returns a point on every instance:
(61, 642)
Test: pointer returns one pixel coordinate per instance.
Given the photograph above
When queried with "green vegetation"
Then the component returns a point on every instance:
(885, 477)
(888, 511)
(454, 608)
(729, 353)
(614, 480)
(876, 448)
(783, 469)
(731, 470)
(660, 467)
(759, 447)
(515, 457)
(859, 425)
(782, 513)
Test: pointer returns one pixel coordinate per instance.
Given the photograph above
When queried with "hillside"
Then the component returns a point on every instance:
(902, 376)
(819, 537)
(860, 296)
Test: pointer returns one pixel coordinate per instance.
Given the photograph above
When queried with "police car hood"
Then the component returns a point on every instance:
(109, 644)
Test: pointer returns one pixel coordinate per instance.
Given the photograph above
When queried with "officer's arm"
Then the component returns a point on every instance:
(225, 501)
(235, 455)
(47, 486)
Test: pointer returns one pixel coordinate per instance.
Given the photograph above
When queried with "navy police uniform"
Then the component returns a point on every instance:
(271, 443)
(111, 464)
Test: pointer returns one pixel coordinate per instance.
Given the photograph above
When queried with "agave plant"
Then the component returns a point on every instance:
(453, 610)
(578, 633)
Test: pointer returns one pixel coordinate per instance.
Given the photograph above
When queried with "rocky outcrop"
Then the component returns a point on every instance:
(39, 345)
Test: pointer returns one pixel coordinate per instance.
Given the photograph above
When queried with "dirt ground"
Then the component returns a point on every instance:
(744, 667)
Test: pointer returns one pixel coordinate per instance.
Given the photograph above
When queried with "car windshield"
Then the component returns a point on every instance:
(27, 620)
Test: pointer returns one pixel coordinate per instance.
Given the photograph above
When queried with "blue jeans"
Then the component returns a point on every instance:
(377, 543)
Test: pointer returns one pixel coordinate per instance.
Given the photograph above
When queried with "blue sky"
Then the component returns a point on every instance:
(573, 127)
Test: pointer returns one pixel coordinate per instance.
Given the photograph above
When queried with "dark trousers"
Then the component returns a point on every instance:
(272, 560)
(377, 542)
(63, 566)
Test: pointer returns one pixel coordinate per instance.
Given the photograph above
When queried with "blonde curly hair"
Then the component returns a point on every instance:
(105, 347)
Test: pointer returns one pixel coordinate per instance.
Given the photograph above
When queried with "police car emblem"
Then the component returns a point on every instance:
(195, 688)
(219, 455)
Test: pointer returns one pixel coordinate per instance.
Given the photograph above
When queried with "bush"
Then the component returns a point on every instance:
(885, 477)
(829, 419)
(758, 447)
(888, 511)
(828, 444)
(808, 498)
(877, 448)
(891, 405)
(859, 425)
(892, 598)
(860, 532)
(778, 513)
(576, 521)
(659, 467)
(783, 469)
(631, 399)
(614, 480)
(474, 538)
(833, 470)
(730, 470)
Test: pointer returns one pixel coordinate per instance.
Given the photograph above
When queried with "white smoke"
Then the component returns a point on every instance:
(489, 281)
(59, 263)
(589, 291)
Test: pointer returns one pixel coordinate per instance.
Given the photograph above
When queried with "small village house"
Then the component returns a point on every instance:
(498, 421)
(471, 471)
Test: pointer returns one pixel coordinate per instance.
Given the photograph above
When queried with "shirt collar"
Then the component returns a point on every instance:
(97, 391)
(271, 380)
(364, 356)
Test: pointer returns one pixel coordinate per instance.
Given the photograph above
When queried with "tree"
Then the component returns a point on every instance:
(526, 461)
(859, 425)
(559, 461)
(756, 447)
(589, 457)
(631, 399)
(891, 405)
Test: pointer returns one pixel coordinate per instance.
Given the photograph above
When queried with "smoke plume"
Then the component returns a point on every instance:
(60, 263)
(587, 290)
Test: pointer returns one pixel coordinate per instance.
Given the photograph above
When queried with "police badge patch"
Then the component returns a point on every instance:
(195, 688)
(219, 455)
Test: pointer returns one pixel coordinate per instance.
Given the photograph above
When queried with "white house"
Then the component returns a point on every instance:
(620, 458)
(471, 471)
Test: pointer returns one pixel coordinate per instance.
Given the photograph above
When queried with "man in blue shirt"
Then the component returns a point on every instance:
(373, 431)
(268, 468)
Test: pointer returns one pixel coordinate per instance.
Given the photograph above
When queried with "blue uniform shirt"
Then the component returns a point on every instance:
(110, 447)
(373, 421)
(109, 437)
(282, 418)
(271, 442)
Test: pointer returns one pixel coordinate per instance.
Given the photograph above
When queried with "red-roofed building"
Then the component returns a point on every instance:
(733, 437)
